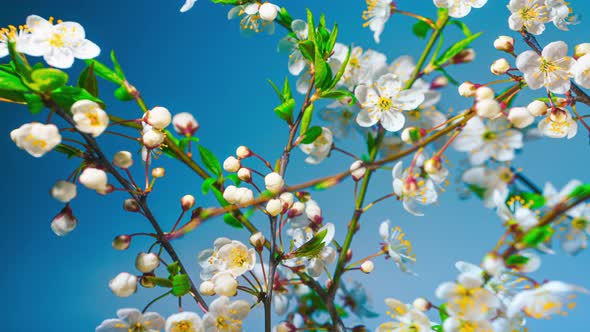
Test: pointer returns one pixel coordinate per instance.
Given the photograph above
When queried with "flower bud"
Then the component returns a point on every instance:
(187, 202)
(158, 117)
(493, 264)
(146, 280)
(123, 159)
(147, 262)
(64, 191)
(229, 194)
(231, 164)
(488, 108)
(537, 108)
(257, 240)
(421, 304)
(124, 284)
(225, 284)
(287, 199)
(465, 56)
(520, 117)
(64, 222)
(274, 207)
(433, 166)
(360, 328)
(348, 255)
(93, 178)
(244, 174)
(297, 209)
(504, 43)
(483, 93)
(357, 170)
(439, 82)
(284, 327)
(130, 205)
(268, 11)
(500, 67)
(158, 172)
(313, 212)
(207, 288)
(581, 49)
(153, 138)
(184, 123)
(274, 182)
(411, 135)
(244, 195)
(243, 152)
(122, 242)
(467, 89)
(367, 267)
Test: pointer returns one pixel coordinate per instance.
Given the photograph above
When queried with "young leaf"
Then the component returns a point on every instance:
(285, 110)
(122, 94)
(34, 102)
(331, 40)
(229, 219)
(516, 260)
(277, 91)
(311, 247)
(47, 79)
(310, 26)
(462, 26)
(307, 49)
(68, 95)
(339, 94)
(455, 49)
(207, 185)
(341, 71)
(105, 72)
(312, 134)
(87, 80)
(306, 119)
(11, 82)
(181, 285)
(117, 66)
(420, 29)
(323, 72)
(287, 90)
(173, 269)
(537, 235)
(210, 161)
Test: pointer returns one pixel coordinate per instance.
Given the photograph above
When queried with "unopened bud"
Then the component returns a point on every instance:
(504, 43)
(230, 194)
(207, 288)
(488, 108)
(360, 328)
(357, 170)
(147, 262)
(231, 164)
(296, 210)
(243, 152)
(257, 240)
(287, 198)
(274, 182)
(244, 174)
(500, 67)
(520, 117)
(147, 281)
(421, 304)
(64, 222)
(158, 117)
(123, 159)
(493, 264)
(348, 255)
(122, 242)
(581, 49)
(433, 166)
(274, 207)
(537, 108)
(187, 202)
(268, 11)
(467, 89)
(130, 205)
(153, 138)
(439, 82)
(367, 267)
(158, 172)
(484, 92)
(411, 135)
(64, 191)
(465, 56)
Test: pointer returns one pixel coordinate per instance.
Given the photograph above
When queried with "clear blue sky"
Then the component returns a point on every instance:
(198, 62)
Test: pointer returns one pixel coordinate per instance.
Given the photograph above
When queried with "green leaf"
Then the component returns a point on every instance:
(331, 40)
(306, 119)
(341, 71)
(462, 26)
(477, 190)
(87, 80)
(117, 66)
(285, 18)
(68, 95)
(277, 91)
(173, 269)
(219, 196)
(455, 49)
(229, 219)
(210, 161)
(339, 94)
(122, 94)
(370, 142)
(420, 29)
(312, 134)
(10, 82)
(48, 79)
(20, 63)
(285, 110)
(287, 94)
(34, 102)
(181, 285)
(537, 235)
(207, 185)
(323, 72)
(69, 151)
(310, 26)
(105, 72)
(162, 282)
(228, 2)
(443, 313)
(516, 260)
(311, 247)
(534, 201)
(17, 97)
(307, 49)
(580, 191)
(234, 178)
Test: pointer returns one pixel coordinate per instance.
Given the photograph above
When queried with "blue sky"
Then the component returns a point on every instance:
(198, 62)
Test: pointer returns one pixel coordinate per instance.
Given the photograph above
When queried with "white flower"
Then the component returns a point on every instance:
(89, 117)
(560, 13)
(454, 324)
(528, 14)
(466, 298)
(124, 284)
(558, 124)
(385, 101)
(64, 222)
(236, 258)
(398, 248)
(147, 262)
(459, 8)
(320, 148)
(188, 4)
(493, 140)
(268, 11)
(250, 18)
(59, 44)
(64, 191)
(552, 69)
(517, 212)
(184, 322)
(158, 117)
(132, 320)
(489, 184)
(582, 71)
(575, 238)
(208, 258)
(362, 67)
(224, 315)
(290, 45)
(407, 318)
(93, 178)
(553, 197)
(376, 15)
(274, 182)
(19, 36)
(185, 123)
(412, 189)
(543, 301)
(123, 159)
(36, 138)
